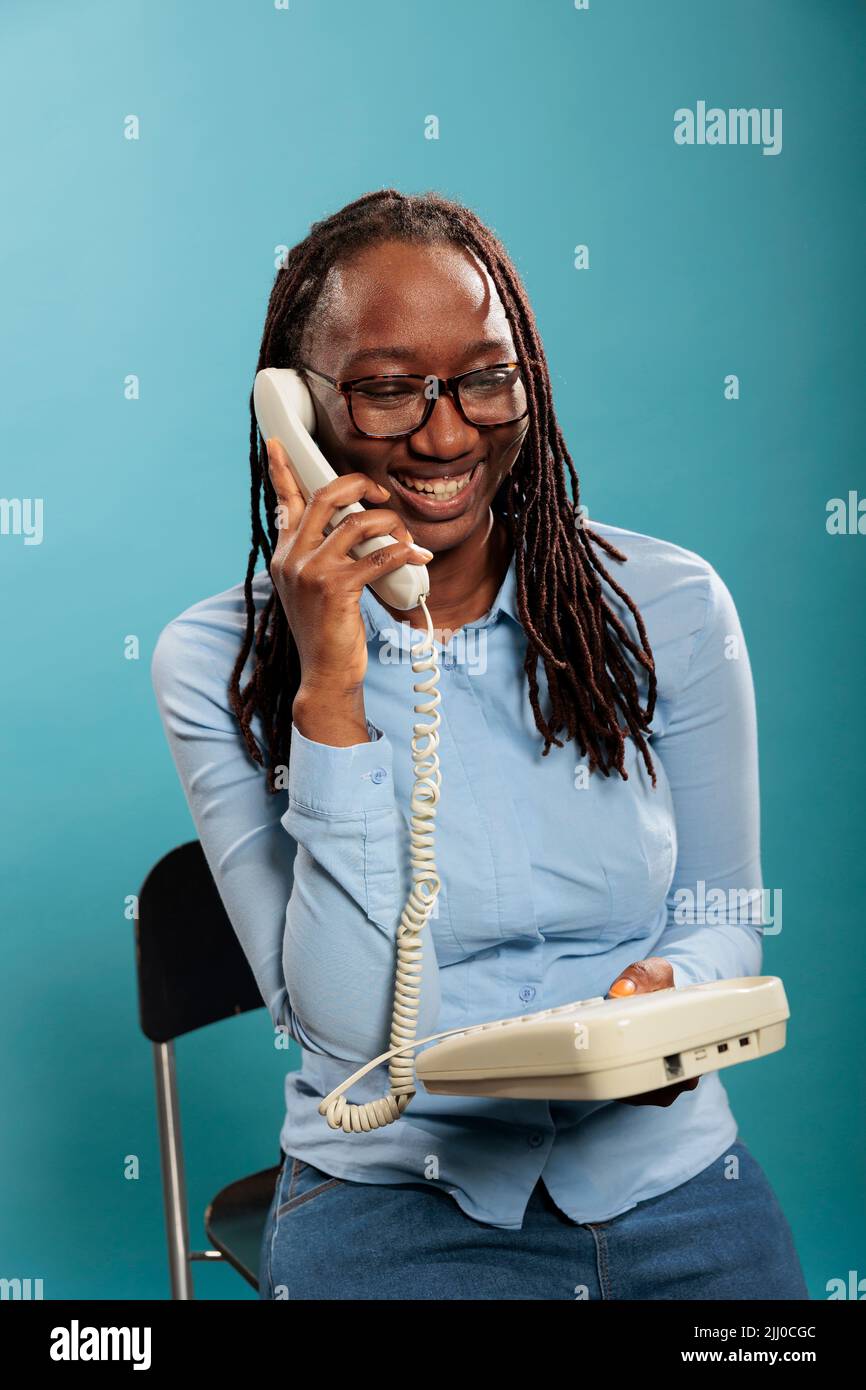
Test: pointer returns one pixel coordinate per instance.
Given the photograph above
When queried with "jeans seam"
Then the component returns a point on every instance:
(602, 1258)
(270, 1270)
(292, 1180)
(291, 1204)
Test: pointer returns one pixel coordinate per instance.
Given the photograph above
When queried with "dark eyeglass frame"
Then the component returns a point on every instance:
(447, 386)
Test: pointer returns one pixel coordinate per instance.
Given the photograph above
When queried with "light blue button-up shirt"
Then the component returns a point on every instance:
(553, 881)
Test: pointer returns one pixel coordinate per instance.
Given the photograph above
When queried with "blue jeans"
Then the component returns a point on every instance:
(712, 1237)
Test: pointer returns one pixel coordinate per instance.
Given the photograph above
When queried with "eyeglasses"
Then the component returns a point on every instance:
(400, 404)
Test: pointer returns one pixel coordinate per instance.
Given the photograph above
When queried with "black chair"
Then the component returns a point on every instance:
(191, 972)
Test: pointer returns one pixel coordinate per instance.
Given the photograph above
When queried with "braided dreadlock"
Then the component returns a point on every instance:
(581, 641)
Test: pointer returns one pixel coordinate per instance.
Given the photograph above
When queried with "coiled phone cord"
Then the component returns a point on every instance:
(340, 1113)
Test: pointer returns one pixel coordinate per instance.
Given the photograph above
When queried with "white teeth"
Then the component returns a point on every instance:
(440, 488)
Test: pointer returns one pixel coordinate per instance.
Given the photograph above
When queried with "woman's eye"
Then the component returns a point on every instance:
(489, 380)
(384, 391)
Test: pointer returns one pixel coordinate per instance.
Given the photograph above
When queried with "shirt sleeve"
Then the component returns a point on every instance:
(709, 751)
(314, 878)
(351, 883)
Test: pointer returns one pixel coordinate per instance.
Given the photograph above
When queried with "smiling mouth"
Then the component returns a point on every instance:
(441, 488)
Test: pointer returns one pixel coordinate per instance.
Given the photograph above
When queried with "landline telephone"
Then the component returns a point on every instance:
(592, 1049)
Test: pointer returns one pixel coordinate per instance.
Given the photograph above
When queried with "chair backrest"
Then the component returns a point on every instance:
(190, 966)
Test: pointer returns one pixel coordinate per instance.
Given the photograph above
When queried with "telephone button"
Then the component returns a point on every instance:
(378, 774)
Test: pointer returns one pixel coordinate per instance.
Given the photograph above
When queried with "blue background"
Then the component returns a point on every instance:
(156, 257)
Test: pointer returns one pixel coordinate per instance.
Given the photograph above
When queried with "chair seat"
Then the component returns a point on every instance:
(235, 1221)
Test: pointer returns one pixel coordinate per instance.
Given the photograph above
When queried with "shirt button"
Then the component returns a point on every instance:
(378, 774)
(527, 993)
(536, 1141)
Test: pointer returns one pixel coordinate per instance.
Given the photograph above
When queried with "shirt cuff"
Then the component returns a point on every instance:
(681, 975)
(341, 781)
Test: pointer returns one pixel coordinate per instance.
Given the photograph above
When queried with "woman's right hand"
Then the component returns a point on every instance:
(319, 583)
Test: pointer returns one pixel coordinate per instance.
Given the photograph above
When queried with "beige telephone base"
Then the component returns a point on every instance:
(606, 1049)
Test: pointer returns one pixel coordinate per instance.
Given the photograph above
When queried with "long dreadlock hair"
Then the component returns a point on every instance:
(570, 626)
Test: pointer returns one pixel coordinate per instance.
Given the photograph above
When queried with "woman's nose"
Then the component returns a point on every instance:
(446, 434)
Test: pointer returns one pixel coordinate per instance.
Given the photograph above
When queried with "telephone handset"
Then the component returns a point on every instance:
(592, 1049)
(285, 411)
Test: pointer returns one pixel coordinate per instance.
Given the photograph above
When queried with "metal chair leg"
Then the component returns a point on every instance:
(173, 1179)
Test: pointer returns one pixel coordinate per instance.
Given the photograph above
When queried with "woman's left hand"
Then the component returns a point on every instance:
(643, 977)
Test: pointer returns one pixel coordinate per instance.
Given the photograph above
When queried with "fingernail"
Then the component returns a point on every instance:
(422, 551)
(384, 491)
(622, 987)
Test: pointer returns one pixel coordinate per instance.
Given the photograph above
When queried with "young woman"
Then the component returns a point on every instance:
(289, 703)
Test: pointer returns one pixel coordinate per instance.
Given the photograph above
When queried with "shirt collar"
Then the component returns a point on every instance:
(377, 619)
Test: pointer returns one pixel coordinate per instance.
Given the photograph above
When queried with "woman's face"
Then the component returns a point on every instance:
(432, 310)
